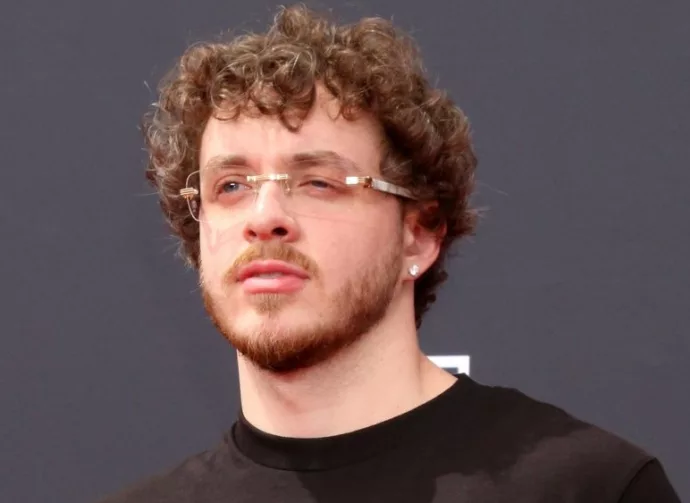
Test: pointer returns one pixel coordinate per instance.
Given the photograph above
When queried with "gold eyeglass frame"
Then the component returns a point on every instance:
(367, 182)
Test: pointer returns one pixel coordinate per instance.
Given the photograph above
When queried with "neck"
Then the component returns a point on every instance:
(381, 376)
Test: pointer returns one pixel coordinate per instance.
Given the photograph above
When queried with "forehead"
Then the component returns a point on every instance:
(264, 141)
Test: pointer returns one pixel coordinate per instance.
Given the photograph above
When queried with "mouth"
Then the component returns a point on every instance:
(271, 276)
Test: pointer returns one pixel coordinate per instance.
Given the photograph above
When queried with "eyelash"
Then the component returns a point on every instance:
(319, 183)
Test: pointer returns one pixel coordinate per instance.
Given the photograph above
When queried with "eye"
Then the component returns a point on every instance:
(320, 183)
(229, 187)
(232, 185)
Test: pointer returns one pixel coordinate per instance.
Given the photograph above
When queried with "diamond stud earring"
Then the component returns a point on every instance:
(413, 270)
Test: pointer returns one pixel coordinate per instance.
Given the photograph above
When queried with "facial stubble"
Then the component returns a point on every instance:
(341, 319)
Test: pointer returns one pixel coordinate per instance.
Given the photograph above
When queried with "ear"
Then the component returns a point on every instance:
(421, 245)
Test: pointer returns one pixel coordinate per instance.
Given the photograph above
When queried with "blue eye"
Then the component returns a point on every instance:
(230, 187)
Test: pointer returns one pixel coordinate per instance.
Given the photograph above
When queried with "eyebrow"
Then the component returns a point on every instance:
(299, 160)
(327, 156)
(221, 162)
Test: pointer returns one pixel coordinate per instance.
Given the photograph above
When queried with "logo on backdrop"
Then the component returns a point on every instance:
(455, 364)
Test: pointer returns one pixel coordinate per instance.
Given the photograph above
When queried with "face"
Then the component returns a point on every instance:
(290, 289)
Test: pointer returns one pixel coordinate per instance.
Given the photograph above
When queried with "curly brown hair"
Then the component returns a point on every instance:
(369, 66)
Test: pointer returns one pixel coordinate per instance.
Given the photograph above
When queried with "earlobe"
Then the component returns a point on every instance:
(413, 270)
(422, 245)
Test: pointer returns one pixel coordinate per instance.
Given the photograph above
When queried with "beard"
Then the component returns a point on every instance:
(340, 320)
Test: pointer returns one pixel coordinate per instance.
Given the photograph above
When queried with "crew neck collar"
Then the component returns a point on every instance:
(311, 454)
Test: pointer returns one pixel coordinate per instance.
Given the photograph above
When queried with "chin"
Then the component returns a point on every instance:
(259, 321)
(271, 304)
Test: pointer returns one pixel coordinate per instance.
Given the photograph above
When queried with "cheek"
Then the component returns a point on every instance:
(347, 252)
(215, 241)
(217, 251)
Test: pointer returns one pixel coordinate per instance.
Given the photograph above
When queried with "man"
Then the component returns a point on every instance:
(316, 181)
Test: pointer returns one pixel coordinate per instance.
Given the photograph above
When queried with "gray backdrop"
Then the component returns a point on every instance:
(575, 289)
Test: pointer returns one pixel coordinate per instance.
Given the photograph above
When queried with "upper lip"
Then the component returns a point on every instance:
(268, 267)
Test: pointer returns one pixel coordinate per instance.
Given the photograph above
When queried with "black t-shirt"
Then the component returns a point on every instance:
(473, 443)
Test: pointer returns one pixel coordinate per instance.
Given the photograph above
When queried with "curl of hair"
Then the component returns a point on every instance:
(369, 66)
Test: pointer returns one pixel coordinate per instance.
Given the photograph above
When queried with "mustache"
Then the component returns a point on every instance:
(272, 250)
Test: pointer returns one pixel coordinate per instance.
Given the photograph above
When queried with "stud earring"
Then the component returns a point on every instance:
(413, 270)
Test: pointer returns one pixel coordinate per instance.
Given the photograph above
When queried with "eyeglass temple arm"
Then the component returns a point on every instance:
(380, 185)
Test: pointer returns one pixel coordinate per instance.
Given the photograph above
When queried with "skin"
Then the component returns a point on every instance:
(340, 353)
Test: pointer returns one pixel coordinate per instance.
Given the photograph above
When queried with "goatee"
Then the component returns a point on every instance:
(339, 320)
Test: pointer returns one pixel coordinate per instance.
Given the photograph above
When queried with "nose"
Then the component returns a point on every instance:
(269, 219)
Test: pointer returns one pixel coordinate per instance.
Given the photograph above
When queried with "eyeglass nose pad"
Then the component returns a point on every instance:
(286, 186)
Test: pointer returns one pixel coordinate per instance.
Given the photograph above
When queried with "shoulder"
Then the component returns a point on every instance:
(548, 445)
(181, 483)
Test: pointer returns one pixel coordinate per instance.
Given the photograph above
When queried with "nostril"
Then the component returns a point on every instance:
(280, 231)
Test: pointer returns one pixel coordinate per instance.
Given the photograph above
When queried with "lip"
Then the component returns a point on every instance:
(268, 267)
